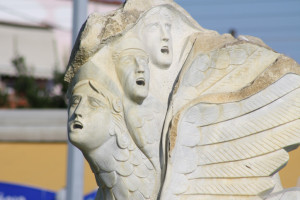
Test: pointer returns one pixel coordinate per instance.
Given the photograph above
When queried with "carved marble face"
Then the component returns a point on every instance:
(133, 73)
(89, 117)
(157, 38)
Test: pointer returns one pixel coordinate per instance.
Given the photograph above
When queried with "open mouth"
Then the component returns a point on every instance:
(165, 50)
(77, 126)
(140, 81)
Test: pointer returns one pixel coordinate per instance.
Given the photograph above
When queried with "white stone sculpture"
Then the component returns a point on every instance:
(144, 115)
(155, 30)
(132, 69)
(164, 109)
(96, 126)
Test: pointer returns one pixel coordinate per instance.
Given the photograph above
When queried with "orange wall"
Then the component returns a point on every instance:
(44, 165)
(40, 165)
(291, 172)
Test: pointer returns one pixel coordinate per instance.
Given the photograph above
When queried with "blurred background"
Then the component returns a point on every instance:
(35, 44)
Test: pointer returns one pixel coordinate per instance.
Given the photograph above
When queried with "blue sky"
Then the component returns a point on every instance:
(276, 22)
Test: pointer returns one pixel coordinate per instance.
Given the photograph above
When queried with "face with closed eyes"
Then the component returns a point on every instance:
(156, 34)
(89, 117)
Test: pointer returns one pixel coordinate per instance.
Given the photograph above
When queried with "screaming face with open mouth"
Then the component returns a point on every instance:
(76, 126)
(157, 37)
(133, 72)
(89, 116)
(140, 81)
(165, 50)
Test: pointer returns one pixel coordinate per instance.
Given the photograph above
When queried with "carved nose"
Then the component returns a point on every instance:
(78, 113)
(140, 69)
(79, 110)
(140, 66)
(165, 35)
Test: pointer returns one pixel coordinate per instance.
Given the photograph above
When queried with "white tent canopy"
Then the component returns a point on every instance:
(36, 44)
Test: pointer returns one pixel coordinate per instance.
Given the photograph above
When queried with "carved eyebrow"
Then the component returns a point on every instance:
(101, 103)
(130, 55)
(152, 24)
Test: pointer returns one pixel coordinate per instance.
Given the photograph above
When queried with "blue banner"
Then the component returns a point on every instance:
(10, 191)
(90, 196)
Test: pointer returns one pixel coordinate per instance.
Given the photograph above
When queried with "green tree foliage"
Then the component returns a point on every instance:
(36, 95)
(3, 99)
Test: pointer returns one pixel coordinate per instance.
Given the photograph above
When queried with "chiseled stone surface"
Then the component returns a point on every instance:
(162, 108)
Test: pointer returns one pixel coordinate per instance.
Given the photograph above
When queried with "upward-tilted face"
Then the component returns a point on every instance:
(133, 73)
(156, 34)
(89, 117)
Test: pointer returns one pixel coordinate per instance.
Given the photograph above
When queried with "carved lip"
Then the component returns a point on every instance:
(165, 50)
(140, 81)
(77, 125)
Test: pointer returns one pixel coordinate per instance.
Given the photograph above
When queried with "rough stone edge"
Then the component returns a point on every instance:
(106, 28)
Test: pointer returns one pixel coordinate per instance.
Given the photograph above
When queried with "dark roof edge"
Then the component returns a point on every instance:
(20, 25)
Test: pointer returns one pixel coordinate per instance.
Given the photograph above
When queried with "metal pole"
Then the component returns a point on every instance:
(75, 170)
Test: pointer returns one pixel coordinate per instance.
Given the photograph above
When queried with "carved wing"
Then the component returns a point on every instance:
(126, 173)
(145, 126)
(227, 144)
